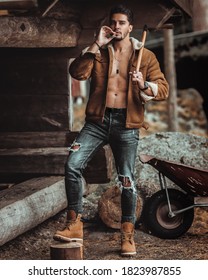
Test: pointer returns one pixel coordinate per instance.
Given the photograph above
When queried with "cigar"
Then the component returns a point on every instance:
(110, 35)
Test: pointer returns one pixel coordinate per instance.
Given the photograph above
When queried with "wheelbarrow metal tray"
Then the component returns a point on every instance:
(192, 180)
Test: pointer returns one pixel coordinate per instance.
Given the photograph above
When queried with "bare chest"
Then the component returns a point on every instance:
(120, 65)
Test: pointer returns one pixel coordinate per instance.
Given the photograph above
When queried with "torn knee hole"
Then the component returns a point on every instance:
(74, 147)
(125, 180)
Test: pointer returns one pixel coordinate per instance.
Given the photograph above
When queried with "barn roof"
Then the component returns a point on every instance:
(81, 18)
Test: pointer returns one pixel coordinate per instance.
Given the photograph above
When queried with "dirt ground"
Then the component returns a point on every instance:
(102, 243)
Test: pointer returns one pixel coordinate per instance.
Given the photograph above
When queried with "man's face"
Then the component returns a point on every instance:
(119, 23)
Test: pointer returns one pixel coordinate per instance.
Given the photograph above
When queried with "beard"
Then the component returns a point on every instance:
(118, 38)
(121, 36)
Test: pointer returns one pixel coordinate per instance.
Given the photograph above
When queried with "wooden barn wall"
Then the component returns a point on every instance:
(33, 90)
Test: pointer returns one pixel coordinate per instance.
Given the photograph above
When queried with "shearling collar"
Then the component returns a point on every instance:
(135, 43)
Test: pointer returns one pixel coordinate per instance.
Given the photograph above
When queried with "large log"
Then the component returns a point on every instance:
(109, 207)
(28, 204)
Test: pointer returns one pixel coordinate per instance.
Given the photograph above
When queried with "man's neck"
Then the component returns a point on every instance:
(122, 45)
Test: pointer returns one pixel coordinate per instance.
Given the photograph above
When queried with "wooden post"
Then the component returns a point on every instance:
(171, 78)
(198, 10)
(66, 251)
(200, 15)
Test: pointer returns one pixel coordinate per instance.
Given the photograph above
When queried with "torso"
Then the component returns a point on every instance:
(118, 80)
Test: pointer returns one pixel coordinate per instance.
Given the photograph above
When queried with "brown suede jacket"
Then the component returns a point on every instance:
(98, 66)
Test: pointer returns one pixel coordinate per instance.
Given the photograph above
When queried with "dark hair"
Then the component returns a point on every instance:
(121, 9)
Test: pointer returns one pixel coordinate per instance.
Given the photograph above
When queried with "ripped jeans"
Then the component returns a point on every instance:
(123, 143)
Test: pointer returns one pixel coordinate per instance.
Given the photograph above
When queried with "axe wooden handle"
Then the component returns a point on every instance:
(144, 34)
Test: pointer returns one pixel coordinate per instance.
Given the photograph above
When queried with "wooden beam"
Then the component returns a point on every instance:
(200, 15)
(18, 4)
(49, 7)
(186, 5)
(43, 139)
(168, 14)
(171, 78)
(32, 153)
(28, 204)
(87, 18)
(33, 32)
(50, 161)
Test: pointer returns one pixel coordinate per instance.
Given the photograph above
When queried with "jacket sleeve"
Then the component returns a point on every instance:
(81, 67)
(155, 75)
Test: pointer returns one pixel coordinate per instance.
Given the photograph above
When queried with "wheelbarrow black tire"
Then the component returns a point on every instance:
(156, 219)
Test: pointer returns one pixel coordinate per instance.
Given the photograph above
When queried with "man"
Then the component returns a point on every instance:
(114, 113)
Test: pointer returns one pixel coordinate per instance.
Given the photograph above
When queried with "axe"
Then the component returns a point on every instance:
(144, 34)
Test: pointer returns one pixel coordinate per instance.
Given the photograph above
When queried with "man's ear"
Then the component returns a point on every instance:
(130, 27)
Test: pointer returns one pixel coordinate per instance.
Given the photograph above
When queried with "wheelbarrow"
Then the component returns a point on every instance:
(169, 212)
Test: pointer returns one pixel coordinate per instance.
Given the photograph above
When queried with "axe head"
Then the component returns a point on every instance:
(145, 28)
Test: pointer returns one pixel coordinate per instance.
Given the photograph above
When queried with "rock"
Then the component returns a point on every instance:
(191, 114)
(183, 148)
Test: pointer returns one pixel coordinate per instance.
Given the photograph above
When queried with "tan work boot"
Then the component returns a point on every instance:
(73, 230)
(127, 239)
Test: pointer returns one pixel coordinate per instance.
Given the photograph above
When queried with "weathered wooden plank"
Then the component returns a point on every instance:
(30, 32)
(28, 204)
(28, 153)
(24, 4)
(39, 139)
(34, 113)
(51, 161)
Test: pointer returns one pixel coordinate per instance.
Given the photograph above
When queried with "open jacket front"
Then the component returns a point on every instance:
(98, 66)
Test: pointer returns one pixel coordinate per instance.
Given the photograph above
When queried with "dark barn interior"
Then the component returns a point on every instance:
(189, 69)
(34, 90)
(191, 60)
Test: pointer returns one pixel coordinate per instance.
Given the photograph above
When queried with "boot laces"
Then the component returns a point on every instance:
(127, 237)
(70, 223)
